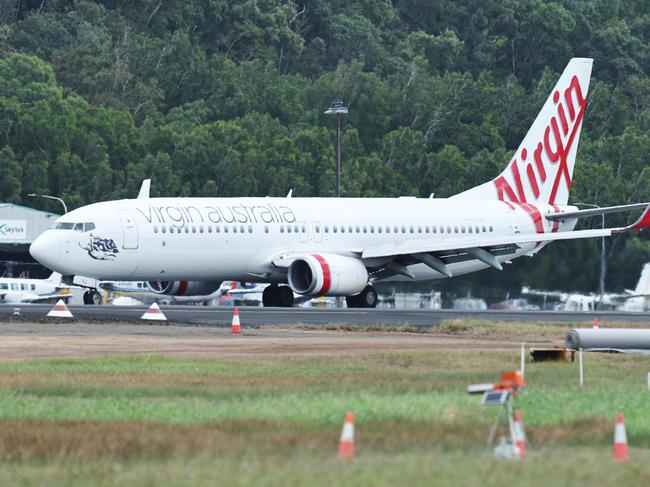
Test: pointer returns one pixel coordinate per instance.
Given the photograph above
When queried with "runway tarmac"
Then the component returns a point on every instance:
(221, 316)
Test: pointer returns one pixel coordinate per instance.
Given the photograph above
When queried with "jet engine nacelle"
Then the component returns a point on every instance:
(327, 274)
(184, 288)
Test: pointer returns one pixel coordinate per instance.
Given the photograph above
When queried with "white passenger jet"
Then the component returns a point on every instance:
(341, 246)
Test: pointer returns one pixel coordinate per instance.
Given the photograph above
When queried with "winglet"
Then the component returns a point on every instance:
(144, 189)
(641, 224)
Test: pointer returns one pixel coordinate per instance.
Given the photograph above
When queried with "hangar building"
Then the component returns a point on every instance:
(19, 227)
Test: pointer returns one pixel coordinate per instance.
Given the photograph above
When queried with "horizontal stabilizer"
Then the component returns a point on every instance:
(596, 211)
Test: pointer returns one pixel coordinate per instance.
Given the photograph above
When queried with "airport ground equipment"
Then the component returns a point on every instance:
(619, 449)
(346, 444)
(502, 394)
(154, 313)
(60, 310)
(603, 339)
(235, 327)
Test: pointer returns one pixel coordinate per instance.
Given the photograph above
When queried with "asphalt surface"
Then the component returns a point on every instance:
(249, 316)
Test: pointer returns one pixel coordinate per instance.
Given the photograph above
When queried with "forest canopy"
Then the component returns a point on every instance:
(215, 98)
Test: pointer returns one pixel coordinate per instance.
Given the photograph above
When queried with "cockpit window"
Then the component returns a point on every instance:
(77, 227)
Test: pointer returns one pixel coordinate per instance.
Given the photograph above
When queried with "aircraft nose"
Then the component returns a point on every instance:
(46, 249)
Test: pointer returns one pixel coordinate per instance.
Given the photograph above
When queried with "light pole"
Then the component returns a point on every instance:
(338, 109)
(60, 200)
(603, 264)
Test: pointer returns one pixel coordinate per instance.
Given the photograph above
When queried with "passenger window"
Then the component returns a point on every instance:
(419, 229)
(209, 228)
(379, 229)
(171, 229)
(250, 228)
(266, 229)
(241, 228)
(434, 229)
(225, 229)
(200, 228)
(33, 287)
(234, 229)
(304, 229)
(477, 229)
(358, 229)
(23, 287)
(372, 229)
(411, 229)
(462, 229)
(426, 229)
(448, 228)
(326, 228)
(4, 285)
(491, 228)
(217, 229)
(155, 229)
(403, 229)
(335, 228)
(163, 228)
(317, 228)
(387, 228)
(455, 229)
(342, 228)
(349, 228)
(365, 229)
(288, 228)
(484, 230)
(295, 228)
(187, 229)
(469, 229)
(14, 286)
(193, 228)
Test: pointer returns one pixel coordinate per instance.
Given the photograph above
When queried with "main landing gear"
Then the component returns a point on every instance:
(365, 299)
(92, 297)
(274, 295)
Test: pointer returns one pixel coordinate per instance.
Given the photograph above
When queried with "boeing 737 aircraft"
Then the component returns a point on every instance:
(340, 246)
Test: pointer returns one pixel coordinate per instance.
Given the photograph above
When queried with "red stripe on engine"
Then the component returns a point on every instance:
(182, 287)
(327, 277)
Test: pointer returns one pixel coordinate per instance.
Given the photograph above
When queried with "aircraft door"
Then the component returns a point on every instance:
(515, 226)
(129, 229)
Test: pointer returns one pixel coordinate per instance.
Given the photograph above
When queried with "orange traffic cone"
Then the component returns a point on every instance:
(519, 434)
(346, 445)
(60, 310)
(619, 450)
(154, 313)
(596, 324)
(235, 327)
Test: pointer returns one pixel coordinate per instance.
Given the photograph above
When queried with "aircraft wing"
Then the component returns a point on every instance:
(395, 257)
(40, 298)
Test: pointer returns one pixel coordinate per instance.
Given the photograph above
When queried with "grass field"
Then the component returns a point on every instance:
(152, 420)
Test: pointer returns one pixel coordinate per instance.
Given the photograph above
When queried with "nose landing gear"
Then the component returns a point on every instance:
(92, 297)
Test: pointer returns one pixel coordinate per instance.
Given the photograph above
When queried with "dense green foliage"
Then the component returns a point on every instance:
(227, 98)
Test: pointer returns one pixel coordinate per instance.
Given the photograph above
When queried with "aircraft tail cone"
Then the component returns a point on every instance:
(235, 327)
(346, 445)
(154, 313)
(619, 450)
(60, 310)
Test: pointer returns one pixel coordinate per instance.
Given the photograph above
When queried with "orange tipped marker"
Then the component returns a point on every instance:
(519, 434)
(60, 310)
(619, 450)
(596, 324)
(154, 313)
(235, 327)
(346, 445)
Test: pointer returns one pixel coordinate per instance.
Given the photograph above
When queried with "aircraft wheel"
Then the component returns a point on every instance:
(94, 298)
(369, 297)
(365, 299)
(270, 296)
(87, 297)
(285, 297)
